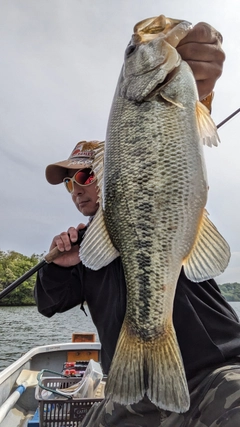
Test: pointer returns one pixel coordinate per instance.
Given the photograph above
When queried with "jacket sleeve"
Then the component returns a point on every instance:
(58, 289)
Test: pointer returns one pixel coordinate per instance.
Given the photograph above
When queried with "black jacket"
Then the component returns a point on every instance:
(207, 328)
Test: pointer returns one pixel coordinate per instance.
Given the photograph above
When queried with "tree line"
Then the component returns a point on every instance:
(13, 265)
(231, 291)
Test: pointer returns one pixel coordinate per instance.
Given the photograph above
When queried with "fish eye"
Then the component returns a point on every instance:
(130, 49)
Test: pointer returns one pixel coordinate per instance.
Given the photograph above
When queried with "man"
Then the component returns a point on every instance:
(208, 330)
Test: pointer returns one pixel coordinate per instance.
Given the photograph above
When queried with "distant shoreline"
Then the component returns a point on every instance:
(230, 291)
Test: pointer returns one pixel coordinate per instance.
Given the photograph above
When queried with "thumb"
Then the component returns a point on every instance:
(80, 226)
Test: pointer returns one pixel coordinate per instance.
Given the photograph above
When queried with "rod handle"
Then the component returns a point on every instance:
(55, 252)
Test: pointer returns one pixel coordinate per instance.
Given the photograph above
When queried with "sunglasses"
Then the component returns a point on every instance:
(83, 177)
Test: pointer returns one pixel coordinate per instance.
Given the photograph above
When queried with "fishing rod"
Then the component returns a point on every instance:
(54, 253)
(50, 257)
(228, 118)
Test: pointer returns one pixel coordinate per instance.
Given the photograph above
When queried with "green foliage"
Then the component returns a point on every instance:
(231, 291)
(12, 266)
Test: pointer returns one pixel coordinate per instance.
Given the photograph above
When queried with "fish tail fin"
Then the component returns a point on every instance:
(153, 368)
(167, 384)
(210, 254)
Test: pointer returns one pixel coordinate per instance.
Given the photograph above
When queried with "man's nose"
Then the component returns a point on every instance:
(77, 189)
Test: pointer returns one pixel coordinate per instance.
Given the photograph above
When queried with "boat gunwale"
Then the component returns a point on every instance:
(71, 346)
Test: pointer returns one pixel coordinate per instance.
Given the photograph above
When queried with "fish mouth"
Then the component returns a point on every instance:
(149, 28)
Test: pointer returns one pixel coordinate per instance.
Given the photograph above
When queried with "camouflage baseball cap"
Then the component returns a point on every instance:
(81, 157)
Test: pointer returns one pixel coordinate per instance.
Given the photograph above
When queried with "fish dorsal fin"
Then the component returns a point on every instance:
(210, 254)
(206, 126)
(96, 249)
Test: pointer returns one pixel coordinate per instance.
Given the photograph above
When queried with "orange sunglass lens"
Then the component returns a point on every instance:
(69, 185)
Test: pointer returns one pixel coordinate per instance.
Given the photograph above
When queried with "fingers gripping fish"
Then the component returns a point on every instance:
(155, 192)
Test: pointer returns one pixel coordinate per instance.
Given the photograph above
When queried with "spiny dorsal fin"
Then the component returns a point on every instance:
(210, 254)
(96, 249)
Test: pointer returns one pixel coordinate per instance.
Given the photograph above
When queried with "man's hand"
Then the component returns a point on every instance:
(64, 243)
(202, 50)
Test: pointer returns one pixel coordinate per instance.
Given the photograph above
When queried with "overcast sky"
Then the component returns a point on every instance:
(60, 61)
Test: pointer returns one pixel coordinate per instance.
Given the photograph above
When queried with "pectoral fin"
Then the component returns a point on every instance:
(171, 96)
(210, 254)
(206, 126)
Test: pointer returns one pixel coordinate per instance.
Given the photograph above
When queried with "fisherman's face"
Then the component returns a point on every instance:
(84, 197)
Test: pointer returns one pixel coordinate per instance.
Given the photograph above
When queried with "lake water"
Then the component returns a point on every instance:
(22, 328)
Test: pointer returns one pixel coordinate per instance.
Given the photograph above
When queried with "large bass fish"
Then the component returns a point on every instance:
(155, 192)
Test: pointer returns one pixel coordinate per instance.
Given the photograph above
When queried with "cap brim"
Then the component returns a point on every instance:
(56, 172)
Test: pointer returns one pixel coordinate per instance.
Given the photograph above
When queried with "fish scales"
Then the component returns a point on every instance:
(150, 182)
(154, 197)
(151, 179)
